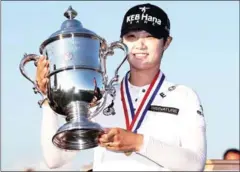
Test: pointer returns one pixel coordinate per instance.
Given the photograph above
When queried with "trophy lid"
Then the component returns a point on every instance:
(69, 28)
(71, 25)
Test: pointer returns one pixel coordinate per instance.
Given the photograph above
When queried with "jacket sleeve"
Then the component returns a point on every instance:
(191, 154)
(53, 156)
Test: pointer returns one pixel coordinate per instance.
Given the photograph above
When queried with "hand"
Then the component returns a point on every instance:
(41, 75)
(117, 139)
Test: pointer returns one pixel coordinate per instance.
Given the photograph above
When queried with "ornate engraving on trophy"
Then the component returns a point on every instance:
(68, 56)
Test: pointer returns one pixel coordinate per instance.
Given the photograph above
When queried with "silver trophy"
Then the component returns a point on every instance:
(78, 82)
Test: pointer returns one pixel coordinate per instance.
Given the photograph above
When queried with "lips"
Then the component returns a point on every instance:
(140, 55)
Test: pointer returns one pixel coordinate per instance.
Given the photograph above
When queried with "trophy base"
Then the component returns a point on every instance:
(78, 135)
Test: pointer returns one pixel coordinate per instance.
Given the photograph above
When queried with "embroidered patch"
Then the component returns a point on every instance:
(165, 109)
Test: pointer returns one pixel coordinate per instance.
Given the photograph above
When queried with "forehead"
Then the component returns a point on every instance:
(233, 155)
(140, 32)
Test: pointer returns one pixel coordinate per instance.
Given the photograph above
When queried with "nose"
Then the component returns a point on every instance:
(140, 44)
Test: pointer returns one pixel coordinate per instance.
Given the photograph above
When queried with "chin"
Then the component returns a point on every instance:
(140, 66)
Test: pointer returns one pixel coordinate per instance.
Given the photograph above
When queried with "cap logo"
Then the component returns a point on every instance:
(143, 17)
(143, 9)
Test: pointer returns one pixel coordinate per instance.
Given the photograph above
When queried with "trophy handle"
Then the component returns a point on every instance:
(27, 58)
(122, 46)
(109, 88)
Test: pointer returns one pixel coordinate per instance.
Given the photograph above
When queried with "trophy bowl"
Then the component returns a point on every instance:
(78, 83)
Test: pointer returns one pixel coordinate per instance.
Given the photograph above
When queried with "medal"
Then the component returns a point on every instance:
(138, 117)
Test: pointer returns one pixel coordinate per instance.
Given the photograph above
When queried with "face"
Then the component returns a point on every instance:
(145, 51)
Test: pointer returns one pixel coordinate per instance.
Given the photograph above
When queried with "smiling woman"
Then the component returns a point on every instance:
(138, 137)
(145, 50)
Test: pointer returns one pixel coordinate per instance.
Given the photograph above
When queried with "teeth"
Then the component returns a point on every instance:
(140, 55)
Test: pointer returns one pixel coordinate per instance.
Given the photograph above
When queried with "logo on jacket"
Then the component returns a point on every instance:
(165, 109)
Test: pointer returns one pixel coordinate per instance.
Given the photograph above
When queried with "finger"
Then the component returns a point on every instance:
(116, 138)
(45, 81)
(114, 146)
(112, 132)
(43, 73)
(47, 72)
(45, 88)
(42, 64)
(117, 146)
(106, 130)
(103, 138)
(102, 144)
(47, 63)
(40, 60)
(101, 134)
(43, 85)
(43, 57)
(40, 68)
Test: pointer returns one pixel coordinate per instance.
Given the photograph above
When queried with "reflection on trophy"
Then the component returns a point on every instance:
(77, 80)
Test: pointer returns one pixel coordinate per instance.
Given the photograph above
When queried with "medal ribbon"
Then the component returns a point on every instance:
(150, 95)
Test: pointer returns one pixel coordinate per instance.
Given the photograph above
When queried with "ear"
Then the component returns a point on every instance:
(167, 43)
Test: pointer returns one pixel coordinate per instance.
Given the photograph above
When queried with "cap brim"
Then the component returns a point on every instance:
(157, 33)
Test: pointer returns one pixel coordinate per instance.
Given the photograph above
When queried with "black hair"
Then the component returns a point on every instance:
(165, 39)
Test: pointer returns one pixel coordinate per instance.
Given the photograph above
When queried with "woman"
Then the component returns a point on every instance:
(158, 125)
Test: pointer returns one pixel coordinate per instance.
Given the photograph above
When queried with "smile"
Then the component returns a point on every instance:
(140, 55)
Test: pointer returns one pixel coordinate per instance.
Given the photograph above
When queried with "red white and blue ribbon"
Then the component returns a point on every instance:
(134, 120)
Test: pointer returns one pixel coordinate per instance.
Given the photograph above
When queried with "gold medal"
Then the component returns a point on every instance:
(128, 153)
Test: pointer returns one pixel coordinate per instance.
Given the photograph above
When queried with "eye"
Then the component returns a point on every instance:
(130, 37)
(149, 36)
